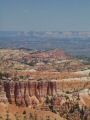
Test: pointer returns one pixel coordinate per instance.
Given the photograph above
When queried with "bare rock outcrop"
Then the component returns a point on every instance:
(21, 92)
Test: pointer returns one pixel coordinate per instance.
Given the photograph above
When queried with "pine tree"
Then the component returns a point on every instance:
(7, 116)
(35, 116)
(24, 115)
(1, 118)
(16, 116)
(30, 116)
(47, 117)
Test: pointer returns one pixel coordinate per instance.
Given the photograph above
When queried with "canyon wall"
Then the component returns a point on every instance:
(73, 85)
(25, 93)
(21, 92)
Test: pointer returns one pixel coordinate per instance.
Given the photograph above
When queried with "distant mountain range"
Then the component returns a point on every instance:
(46, 34)
(74, 43)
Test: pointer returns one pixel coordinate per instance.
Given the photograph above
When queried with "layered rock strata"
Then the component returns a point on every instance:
(20, 92)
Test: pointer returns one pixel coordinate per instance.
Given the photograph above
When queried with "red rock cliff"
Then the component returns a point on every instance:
(21, 92)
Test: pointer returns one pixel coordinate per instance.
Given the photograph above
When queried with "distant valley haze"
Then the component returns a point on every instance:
(74, 43)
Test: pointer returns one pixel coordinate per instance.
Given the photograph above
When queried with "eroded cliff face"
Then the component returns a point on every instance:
(21, 92)
(72, 85)
(25, 93)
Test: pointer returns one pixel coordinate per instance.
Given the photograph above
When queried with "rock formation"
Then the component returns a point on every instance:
(21, 92)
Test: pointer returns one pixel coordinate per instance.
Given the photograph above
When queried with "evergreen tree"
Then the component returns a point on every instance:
(35, 116)
(1, 118)
(30, 116)
(24, 115)
(47, 117)
(16, 116)
(7, 116)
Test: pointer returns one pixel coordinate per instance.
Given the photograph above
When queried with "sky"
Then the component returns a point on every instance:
(45, 15)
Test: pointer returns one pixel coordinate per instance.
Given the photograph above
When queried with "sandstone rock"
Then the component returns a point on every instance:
(21, 92)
